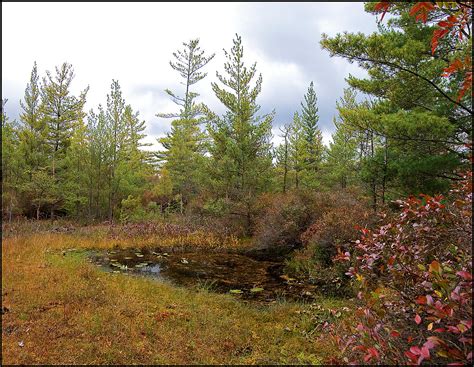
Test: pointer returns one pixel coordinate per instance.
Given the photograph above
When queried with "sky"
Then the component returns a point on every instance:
(134, 42)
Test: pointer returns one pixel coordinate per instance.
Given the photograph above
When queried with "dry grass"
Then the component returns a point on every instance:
(67, 311)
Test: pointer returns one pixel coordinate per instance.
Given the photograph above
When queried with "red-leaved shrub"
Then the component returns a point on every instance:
(415, 277)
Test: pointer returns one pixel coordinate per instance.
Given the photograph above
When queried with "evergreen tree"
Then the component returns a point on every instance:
(297, 148)
(33, 133)
(116, 130)
(63, 114)
(117, 166)
(420, 125)
(311, 131)
(183, 145)
(341, 156)
(77, 162)
(133, 168)
(342, 153)
(184, 155)
(99, 159)
(283, 155)
(189, 62)
(11, 164)
(240, 140)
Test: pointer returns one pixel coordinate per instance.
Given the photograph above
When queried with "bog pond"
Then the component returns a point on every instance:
(242, 276)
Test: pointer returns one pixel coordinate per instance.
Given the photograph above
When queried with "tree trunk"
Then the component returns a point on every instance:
(385, 163)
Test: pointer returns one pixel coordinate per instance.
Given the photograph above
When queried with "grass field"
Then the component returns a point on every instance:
(60, 309)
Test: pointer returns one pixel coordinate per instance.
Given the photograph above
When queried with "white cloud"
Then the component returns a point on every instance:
(134, 42)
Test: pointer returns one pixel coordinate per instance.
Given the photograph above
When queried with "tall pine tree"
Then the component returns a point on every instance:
(63, 113)
(33, 132)
(312, 135)
(182, 156)
(240, 140)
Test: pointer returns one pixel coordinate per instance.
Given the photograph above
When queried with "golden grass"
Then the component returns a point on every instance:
(67, 311)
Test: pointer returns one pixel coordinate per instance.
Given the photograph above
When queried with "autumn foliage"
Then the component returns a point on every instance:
(415, 278)
(455, 21)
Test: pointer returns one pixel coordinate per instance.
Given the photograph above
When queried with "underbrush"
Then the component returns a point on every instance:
(316, 224)
(414, 274)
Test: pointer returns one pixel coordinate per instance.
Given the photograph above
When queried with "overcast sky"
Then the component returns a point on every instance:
(134, 42)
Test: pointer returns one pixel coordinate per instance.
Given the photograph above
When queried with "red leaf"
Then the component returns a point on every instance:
(435, 340)
(418, 319)
(468, 323)
(411, 356)
(373, 352)
(455, 65)
(415, 350)
(359, 347)
(421, 300)
(464, 275)
(421, 10)
(425, 352)
(445, 24)
(452, 19)
(437, 35)
(382, 6)
(395, 333)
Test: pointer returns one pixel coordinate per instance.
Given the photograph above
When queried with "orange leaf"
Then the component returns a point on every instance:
(434, 267)
(382, 5)
(421, 10)
(437, 34)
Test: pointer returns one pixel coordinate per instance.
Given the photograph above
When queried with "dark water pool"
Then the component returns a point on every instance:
(239, 275)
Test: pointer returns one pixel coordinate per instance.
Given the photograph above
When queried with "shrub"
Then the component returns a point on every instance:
(336, 227)
(415, 278)
(281, 218)
(218, 215)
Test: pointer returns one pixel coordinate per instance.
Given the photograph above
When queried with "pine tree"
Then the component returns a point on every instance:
(342, 155)
(99, 159)
(75, 185)
(33, 133)
(282, 153)
(116, 130)
(133, 168)
(183, 155)
(11, 164)
(118, 167)
(189, 62)
(63, 114)
(61, 110)
(240, 140)
(297, 146)
(312, 135)
(342, 152)
(183, 145)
